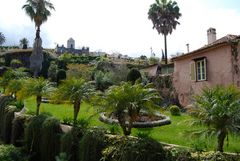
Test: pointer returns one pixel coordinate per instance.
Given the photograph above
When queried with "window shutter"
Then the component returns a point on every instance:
(193, 71)
(205, 68)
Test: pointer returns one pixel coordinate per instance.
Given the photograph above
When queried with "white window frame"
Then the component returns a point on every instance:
(201, 69)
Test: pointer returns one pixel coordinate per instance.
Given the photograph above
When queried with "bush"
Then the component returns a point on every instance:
(11, 153)
(175, 110)
(70, 143)
(61, 75)
(4, 101)
(15, 63)
(92, 144)
(18, 125)
(133, 75)
(50, 139)
(33, 137)
(129, 149)
(7, 124)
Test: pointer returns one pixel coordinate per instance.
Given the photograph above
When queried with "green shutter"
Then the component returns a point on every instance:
(193, 71)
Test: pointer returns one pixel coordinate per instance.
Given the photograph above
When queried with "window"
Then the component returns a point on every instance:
(199, 70)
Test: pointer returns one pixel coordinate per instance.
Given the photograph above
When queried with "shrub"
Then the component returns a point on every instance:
(175, 110)
(18, 125)
(50, 139)
(133, 75)
(61, 75)
(129, 149)
(70, 143)
(15, 63)
(33, 137)
(7, 124)
(92, 144)
(11, 153)
(4, 101)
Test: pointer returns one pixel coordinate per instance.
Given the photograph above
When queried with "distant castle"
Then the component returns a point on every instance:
(71, 48)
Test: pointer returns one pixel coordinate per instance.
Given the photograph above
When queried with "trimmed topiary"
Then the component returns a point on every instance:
(70, 143)
(18, 125)
(7, 124)
(137, 149)
(133, 75)
(50, 139)
(92, 144)
(175, 110)
(33, 137)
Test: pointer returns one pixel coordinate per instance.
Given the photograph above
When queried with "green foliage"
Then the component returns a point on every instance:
(70, 143)
(50, 139)
(61, 75)
(11, 153)
(74, 91)
(62, 157)
(7, 124)
(33, 136)
(92, 144)
(15, 63)
(132, 149)
(218, 109)
(126, 101)
(133, 75)
(153, 60)
(102, 80)
(24, 43)
(84, 71)
(175, 110)
(45, 65)
(77, 59)
(52, 72)
(18, 129)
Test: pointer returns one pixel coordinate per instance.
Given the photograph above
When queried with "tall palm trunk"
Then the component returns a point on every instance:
(165, 43)
(38, 32)
(39, 99)
(220, 139)
(76, 111)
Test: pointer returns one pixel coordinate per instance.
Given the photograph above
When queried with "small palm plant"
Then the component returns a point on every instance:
(126, 101)
(218, 109)
(37, 87)
(75, 91)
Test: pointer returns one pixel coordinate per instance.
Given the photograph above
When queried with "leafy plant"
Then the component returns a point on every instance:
(218, 110)
(175, 110)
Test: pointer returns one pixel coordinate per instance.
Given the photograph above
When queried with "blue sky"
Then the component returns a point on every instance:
(121, 25)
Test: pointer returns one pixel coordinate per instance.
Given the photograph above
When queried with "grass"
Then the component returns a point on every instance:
(175, 133)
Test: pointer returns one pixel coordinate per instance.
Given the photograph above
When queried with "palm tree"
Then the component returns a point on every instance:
(11, 75)
(38, 11)
(2, 38)
(37, 87)
(74, 91)
(24, 43)
(218, 109)
(126, 101)
(164, 15)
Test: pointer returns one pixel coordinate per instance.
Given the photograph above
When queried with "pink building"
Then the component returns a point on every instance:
(214, 64)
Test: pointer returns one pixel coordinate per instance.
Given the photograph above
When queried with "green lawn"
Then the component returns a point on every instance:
(175, 133)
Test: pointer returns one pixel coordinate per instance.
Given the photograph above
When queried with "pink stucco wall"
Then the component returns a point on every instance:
(219, 71)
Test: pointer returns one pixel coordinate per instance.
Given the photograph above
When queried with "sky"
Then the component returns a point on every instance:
(121, 26)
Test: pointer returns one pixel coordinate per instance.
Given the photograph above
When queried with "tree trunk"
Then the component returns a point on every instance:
(220, 139)
(165, 43)
(38, 33)
(76, 111)
(39, 99)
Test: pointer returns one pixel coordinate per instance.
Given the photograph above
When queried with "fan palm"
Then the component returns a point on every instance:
(37, 87)
(38, 11)
(126, 101)
(218, 109)
(74, 91)
(164, 15)
(24, 43)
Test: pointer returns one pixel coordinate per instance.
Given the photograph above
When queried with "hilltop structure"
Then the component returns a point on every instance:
(71, 48)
